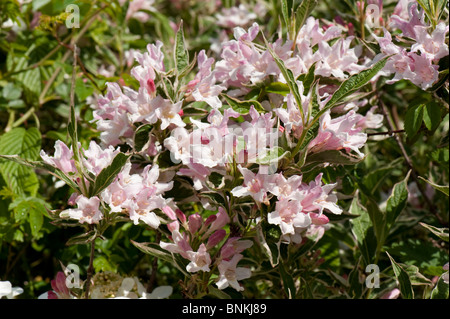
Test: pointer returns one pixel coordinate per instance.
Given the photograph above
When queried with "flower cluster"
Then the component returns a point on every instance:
(190, 244)
(418, 62)
(138, 194)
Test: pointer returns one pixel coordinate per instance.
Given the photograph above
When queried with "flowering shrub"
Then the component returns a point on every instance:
(225, 155)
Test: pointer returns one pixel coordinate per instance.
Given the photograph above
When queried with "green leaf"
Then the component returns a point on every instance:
(181, 53)
(303, 12)
(413, 120)
(442, 233)
(441, 290)
(107, 175)
(362, 229)
(82, 239)
(82, 89)
(242, 107)
(332, 157)
(269, 237)
(32, 209)
(272, 156)
(285, 13)
(156, 251)
(278, 88)
(27, 144)
(356, 287)
(375, 178)
(36, 218)
(354, 83)
(432, 116)
(101, 263)
(288, 282)
(11, 92)
(441, 188)
(44, 166)
(218, 293)
(141, 136)
(403, 279)
(308, 79)
(397, 201)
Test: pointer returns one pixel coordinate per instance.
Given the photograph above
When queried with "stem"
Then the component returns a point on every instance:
(25, 117)
(151, 282)
(90, 270)
(386, 133)
(12, 116)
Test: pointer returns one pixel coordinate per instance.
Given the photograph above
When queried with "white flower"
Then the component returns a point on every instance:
(6, 289)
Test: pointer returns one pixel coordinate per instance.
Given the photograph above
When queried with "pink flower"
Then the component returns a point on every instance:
(230, 274)
(339, 58)
(339, 133)
(221, 220)
(87, 210)
(62, 159)
(235, 16)
(167, 112)
(98, 158)
(197, 172)
(255, 185)
(289, 216)
(203, 85)
(195, 222)
(216, 238)
(200, 260)
(317, 197)
(433, 46)
(142, 207)
(233, 246)
(149, 62)
(59, 286)
(416, 18)
(180, 246)
(425, 73)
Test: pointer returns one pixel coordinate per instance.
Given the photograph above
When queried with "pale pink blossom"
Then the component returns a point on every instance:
(230, 274)
(339, 133)
(200, 260)
(416, 18)
(87, 211)
(233, 246)
(289, 216)
(235, 16)
(433, 45)
(180, 244)
(167, 112)
(255, 185)
(62, 159)
(98, 158)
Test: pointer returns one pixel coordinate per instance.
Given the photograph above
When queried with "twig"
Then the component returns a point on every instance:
(152, 281)
(386, 133)
(90, 270)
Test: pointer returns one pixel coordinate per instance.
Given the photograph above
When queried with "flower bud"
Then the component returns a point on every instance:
(195, 222)
(216, 238)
